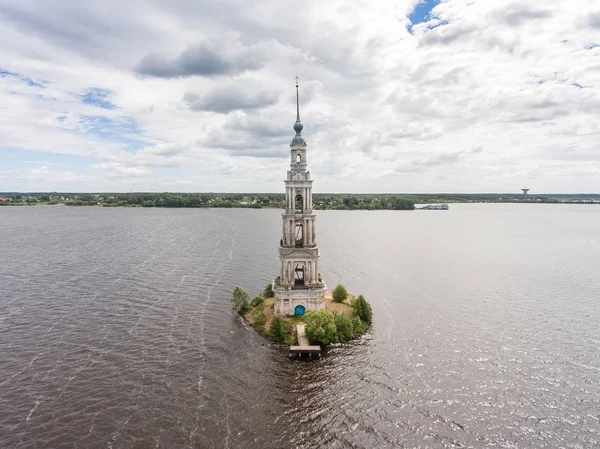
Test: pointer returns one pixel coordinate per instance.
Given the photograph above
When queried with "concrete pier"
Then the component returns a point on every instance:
(304, 347)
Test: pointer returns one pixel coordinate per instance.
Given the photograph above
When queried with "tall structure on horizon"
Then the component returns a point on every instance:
(298, 288)
(525, 191)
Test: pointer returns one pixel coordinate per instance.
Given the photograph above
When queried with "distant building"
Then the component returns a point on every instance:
(525, 191)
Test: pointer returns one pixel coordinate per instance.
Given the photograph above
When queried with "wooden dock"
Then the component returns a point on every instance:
(304, 347)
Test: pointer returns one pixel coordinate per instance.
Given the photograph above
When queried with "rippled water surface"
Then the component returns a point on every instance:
(116, 330)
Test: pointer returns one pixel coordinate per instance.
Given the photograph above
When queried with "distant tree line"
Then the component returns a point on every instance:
(362, 202)
(323, 201)
(222, 200)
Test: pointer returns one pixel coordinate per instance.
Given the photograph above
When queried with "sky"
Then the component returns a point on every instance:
(403, 96)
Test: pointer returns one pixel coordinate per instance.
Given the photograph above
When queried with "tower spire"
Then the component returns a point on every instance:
(298, 125)
(297, 101)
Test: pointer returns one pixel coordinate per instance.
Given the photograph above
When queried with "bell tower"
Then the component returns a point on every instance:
(298, 287)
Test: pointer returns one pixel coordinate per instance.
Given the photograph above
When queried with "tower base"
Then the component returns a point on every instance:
(288, 299)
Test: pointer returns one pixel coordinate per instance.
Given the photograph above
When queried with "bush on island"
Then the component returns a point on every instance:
(339, 294)
(240, 301)
(268, 291)
(320, 327)
(257, 301)
(362, 309)
(259, 318)
(279, 329)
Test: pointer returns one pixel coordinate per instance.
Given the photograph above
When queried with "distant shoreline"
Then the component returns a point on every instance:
(322, 201)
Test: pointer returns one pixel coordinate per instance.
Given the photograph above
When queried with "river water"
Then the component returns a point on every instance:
(116, 330)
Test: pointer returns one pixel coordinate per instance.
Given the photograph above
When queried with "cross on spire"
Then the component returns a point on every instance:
(297, 101)
(298, 125)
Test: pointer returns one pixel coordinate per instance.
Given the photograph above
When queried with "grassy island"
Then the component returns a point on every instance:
(343, 318)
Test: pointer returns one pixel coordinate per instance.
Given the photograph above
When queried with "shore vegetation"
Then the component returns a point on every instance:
(340, 321)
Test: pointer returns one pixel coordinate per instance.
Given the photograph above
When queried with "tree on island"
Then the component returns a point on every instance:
(279, 329)
(268, 291)
(344, 326)
(240, 301)
(339, 293)
(362, 309)
(320, 327)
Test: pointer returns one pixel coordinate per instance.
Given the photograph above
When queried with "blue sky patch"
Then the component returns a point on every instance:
(124, 130)
(422, 12)
(29, 81)
(97, 97)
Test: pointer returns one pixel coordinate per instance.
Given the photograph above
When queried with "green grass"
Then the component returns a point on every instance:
(294, 320)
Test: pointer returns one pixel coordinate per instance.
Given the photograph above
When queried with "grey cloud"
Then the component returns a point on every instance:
(414, 104)
(245, 143)
(117, 170)
(251, 135)
(204, 59)
(83, 28)
(593, 20)
(407, 168)
(263, 153)
(447, 34)
(225, 99)
(407, 133)
(539, 116)
(417, 131)
(165, 149)
(446, 158)
(541, 104)
(418, 165)
(573, 154)
(516, 17)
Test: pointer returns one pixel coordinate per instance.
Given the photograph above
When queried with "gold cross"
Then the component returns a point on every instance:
(297, 81)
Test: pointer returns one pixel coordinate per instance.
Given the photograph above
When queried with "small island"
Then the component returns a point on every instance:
(343, 317)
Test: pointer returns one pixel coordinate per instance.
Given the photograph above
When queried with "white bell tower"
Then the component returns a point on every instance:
(298, 287)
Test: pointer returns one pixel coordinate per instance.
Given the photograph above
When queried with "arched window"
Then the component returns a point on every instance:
(299, 235)
(299, 158)
(299, 275)
(299, 203)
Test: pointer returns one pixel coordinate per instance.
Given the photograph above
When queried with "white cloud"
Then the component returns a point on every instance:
(384, 109)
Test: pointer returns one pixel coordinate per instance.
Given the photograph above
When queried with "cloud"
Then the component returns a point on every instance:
(445, 158)
(593, 20)
(227, 98)
(40, 176)
(204, 92)
(209, 58)
(518, 15)
(118, 170)
(447, 34)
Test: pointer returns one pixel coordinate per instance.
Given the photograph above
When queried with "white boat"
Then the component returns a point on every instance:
(435, 207)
